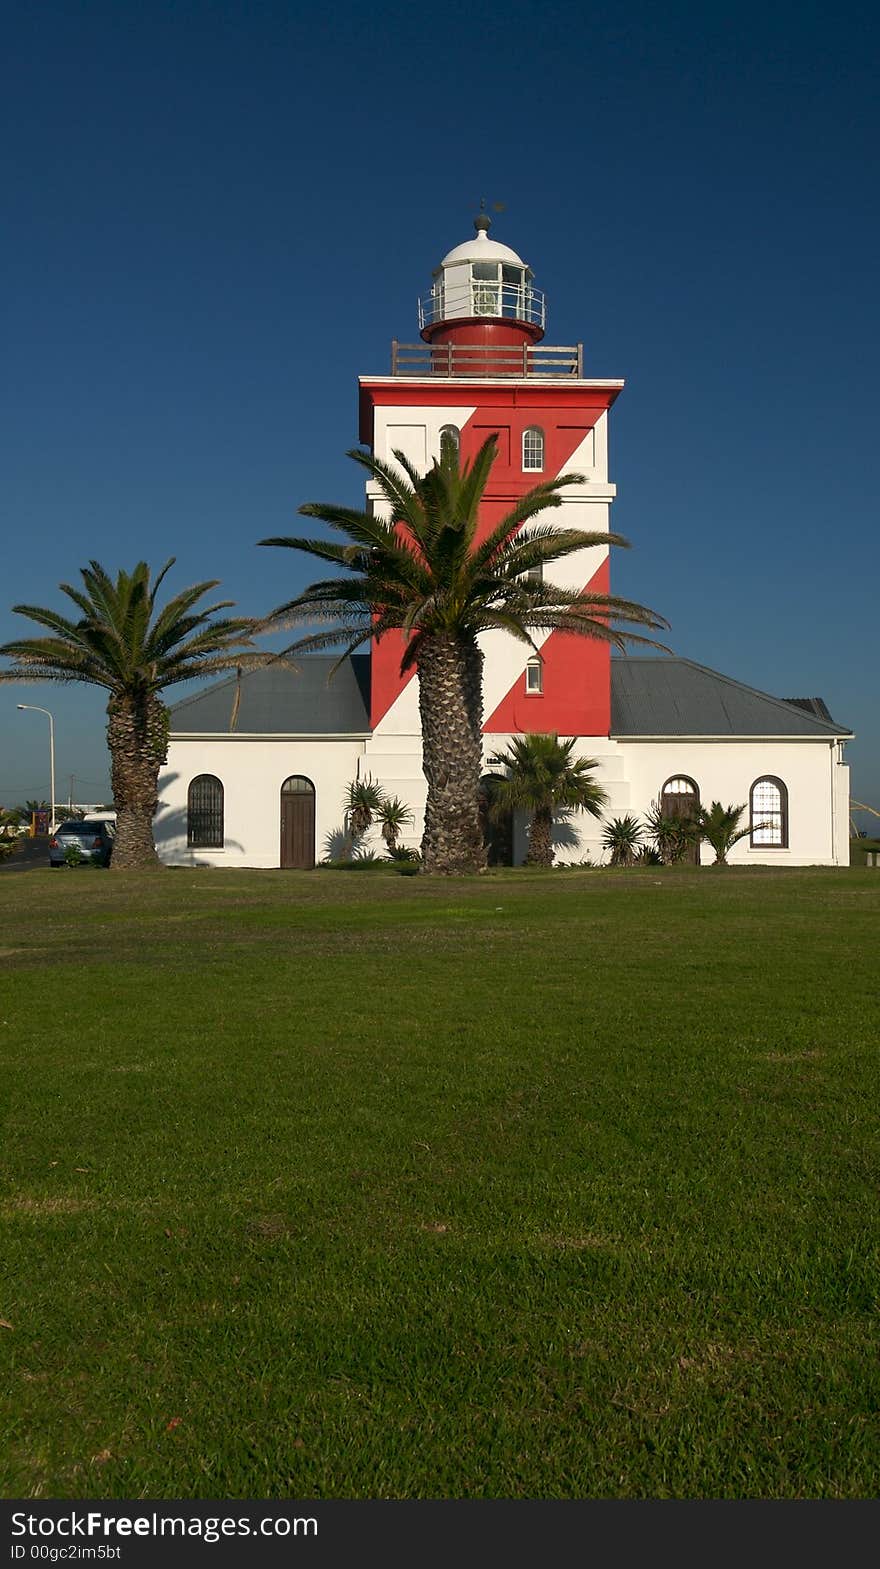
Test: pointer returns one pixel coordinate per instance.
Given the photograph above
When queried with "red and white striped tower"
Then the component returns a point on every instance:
(482, 367)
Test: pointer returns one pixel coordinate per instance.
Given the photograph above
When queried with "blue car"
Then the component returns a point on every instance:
(94, 841)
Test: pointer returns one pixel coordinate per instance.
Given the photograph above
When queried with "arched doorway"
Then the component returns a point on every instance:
(680, 799)
(297, 824)
(497, 831)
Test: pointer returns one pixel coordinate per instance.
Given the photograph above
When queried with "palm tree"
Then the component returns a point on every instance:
(423, 571)
(123, 643)
(544, 778)
(719, 827)
(394, 815)
(623, 837)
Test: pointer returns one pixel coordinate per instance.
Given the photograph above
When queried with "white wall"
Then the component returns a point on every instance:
(726, 770)
(632, 772)
(252, 772)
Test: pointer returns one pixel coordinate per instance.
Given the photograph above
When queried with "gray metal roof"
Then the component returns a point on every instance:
(660, 696)
(294, 699)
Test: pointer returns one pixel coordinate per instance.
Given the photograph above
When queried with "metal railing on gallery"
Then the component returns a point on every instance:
(487, 359)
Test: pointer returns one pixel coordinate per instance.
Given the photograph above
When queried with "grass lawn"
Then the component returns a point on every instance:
(533, 1185)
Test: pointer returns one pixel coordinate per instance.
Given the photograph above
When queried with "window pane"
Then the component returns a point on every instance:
(768, 814)
(485, 271)
(297, 785)
(450, 439)
(678, 787)
(204, 816)
(534, 675)
(533, 448)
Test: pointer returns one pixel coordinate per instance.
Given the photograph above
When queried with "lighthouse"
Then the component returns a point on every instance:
(481, 367)
(259, 767)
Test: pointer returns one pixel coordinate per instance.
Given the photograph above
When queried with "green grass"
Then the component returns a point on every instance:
(529, 1185)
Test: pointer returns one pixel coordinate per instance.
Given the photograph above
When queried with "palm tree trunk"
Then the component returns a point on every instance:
(137, 736)
(541, 838)
(451, 711)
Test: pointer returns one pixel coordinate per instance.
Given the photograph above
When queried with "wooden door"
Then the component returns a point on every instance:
(681, 799)
(297, 824)
(497, 831)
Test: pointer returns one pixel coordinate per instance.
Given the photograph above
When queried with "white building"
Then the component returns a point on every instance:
(261, 781)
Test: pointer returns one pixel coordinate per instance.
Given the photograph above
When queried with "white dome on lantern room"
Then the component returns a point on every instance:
(482, 278)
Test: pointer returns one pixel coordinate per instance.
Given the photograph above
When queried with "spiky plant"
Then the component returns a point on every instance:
(543, 777)
(433, 573)
(124, 643)
(363, 799)
(648, 855)
(719, 826)
(622, 838)
(393, 817)
(672, 837)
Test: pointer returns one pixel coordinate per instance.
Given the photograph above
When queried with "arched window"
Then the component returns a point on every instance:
(204, 813)
(533, 449)
(681, 785)
(450, 440)
(535, 675)
(768, 814)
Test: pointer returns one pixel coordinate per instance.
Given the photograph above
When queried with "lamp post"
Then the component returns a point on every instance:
(32, 708)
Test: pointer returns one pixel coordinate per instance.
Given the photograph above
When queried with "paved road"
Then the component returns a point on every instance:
(31, 856)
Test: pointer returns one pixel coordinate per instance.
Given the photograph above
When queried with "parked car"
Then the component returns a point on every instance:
(93, 840)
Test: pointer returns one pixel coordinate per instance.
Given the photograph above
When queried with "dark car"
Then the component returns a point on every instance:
(93, 841)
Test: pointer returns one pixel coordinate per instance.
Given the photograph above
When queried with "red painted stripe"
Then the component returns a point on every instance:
(576, 699)
(565, 423)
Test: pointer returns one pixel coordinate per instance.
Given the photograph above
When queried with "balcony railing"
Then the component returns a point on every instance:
(505, 301)
(487, 359)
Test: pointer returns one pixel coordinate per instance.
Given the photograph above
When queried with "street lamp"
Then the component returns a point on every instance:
(32, 707)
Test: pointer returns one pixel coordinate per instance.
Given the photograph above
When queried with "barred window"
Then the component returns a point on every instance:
(533, 449)
(204, 813)
(535, 675)
(768, 814)
(450, 440)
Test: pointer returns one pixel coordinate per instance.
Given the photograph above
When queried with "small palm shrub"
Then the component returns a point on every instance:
(393, 816)
(647, 855)
(363, 800)
(719, 826)
(672, 837)
(622, 838)
(403, 852)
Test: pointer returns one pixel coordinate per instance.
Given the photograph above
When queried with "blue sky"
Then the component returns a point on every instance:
(218, 215)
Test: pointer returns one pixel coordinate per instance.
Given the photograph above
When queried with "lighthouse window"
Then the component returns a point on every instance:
(535, 675)
(484, 276)
(450, 441)
(512, 292)
(533, 449)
